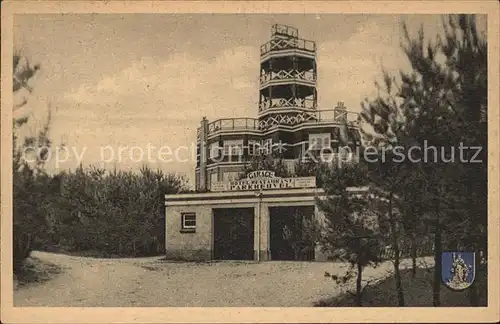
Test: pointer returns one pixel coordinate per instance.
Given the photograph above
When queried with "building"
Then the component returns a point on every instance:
(233, 218)
(288, 114)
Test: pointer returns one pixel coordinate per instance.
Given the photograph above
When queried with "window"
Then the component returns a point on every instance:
(188, 222)
(267, 146)
(214, 150)
(233, 147)
(230, 176)
(319, 141)
(253, 147)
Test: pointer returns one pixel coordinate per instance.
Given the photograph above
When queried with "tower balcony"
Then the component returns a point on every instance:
(279, 30)
(307, 78)
(291, 45)
(235, 125)
(309, 118)
(280, 103)
(334, 115)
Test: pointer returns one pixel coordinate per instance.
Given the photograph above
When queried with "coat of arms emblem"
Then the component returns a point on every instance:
(458, 269)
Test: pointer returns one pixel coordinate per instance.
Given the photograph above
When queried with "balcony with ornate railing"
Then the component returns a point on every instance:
(254, 124)
(309, 118)
(284, 30)
(230, 124)
(287, 44)
(287, 103)
(333, 115)
(287, 75)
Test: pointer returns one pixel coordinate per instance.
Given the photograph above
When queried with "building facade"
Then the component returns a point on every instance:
(288, 117)
(244, 219)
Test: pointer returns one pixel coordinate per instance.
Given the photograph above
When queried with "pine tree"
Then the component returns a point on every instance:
(438, 104)
(351, 231)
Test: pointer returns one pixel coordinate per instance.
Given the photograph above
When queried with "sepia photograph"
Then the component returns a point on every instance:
(250, 158)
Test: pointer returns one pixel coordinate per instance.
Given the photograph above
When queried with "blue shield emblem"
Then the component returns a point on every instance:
(458, 269)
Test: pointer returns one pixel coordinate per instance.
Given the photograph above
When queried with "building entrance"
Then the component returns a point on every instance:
(233, 233)
(287, 241)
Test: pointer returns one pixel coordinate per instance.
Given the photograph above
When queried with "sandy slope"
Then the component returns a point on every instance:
(151, 282)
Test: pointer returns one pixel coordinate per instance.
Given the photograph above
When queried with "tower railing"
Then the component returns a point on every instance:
(284, 30)
(325, 115)
(288, 75)
(290, 43)
(233, 124)
(334, 115)
(287, 103)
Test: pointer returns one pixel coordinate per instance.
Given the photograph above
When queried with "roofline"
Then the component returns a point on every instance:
(251, 194)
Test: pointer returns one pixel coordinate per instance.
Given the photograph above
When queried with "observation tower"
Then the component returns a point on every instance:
(287, 93)
(287, 115)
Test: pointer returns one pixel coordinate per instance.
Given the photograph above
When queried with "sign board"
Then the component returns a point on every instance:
(264, 180)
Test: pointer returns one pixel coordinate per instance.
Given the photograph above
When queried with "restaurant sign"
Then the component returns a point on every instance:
(264, 180)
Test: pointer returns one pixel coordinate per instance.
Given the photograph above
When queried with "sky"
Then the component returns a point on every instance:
(122, 84)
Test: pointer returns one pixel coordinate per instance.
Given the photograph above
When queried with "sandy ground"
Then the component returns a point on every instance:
(145, 282)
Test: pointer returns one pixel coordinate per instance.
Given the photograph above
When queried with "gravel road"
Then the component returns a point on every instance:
(141, 282)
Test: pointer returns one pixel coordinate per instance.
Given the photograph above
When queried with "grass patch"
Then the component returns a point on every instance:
(417, 292)
(35, 270)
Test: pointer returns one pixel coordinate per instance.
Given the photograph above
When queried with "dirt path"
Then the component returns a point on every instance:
(150, 282)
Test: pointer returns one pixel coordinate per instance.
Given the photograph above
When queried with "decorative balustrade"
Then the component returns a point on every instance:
(290, 43)
(284, 30)
(326, 115)
(329, 115)
(288, 75)
(233, 124)
(287, 103)
(286, 119)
